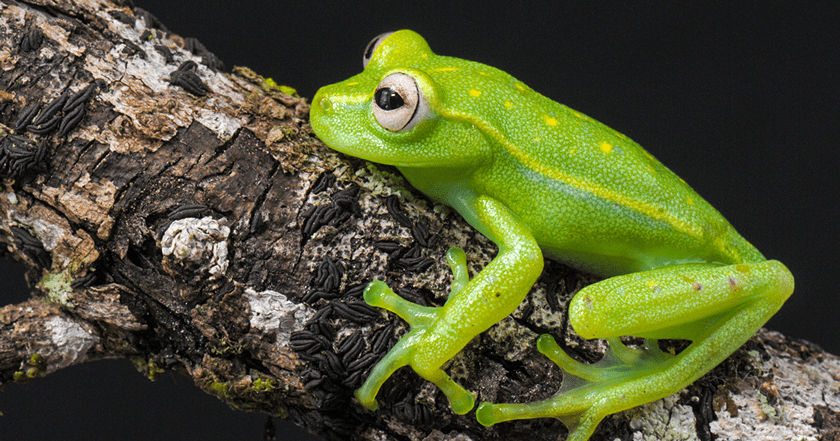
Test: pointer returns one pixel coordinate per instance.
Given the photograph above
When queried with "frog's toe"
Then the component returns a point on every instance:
(457, 260)
(487, 414)
(462, 403)
(378, 294)
(399, 356)
(460, 400)
(366, 399)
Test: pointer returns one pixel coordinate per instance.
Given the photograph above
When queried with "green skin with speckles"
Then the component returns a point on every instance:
(538, 179)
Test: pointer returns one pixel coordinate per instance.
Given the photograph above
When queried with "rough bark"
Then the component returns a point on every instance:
(189, 220)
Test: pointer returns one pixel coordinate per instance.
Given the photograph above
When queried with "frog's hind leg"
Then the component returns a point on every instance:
(717, 307)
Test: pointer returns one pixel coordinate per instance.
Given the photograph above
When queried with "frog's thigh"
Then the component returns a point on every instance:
(675, 301)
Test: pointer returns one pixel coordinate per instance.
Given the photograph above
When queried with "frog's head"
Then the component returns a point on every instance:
(392, 112)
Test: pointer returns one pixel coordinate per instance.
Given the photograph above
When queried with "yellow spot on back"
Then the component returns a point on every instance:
(606, 147)
(424, 55)
(550, 121)
(508, 104)
(445, 69)
(354, 83)
(689, 200)
(474, 92)
(519, 87)
(650, 167)
(483, 73)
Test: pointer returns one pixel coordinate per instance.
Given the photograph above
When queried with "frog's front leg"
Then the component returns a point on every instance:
(717, 307)
(437, 334)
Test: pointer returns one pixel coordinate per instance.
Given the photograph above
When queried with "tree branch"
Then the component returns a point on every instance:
(187, 218)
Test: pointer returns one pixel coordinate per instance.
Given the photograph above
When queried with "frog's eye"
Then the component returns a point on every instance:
(398, 104)
(371, 48)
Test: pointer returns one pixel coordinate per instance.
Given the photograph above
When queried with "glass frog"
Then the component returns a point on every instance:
(540, 179)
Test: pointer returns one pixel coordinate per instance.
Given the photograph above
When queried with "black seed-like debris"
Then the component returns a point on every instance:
(341, 426)
(323, 315)
(186, 77)
(394, 209)
(150, 20)
(351, 347)
(354, 380)
(167, 54)
(381, 338)
(31, 40)
(147, 35)
(186, 211)
(19, 155)
(315, 295)
(31, 247)
(45, 127)
(348, 199)
(26, 117)
(422, 236)
(333, 366)
(328, 275)
(208, 58)
(80, 98)
(84, 281)
(413, 296)
(359, 312)
(122, 17)
(387, 246)
(70, 121)
(52, 108)
(364, 362)
(324, 182)
(356, 291)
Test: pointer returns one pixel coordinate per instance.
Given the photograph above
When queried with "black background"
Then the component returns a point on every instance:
(739, 100)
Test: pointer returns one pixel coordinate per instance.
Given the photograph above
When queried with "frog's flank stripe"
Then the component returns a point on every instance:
(649, 210)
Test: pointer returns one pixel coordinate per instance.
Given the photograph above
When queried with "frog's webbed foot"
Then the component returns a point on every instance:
(589, 391)
(733, 302)
(413, 347)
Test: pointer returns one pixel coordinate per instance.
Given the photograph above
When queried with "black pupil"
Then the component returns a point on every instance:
(388, 99)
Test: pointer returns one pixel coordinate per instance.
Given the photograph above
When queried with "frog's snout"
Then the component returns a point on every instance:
(321, 100)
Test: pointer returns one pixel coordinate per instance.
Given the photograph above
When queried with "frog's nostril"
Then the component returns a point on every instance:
(325, 103)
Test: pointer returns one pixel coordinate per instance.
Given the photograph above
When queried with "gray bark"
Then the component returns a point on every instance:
(190, 220)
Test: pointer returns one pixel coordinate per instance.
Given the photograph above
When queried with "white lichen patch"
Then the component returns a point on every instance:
(197, 241)
(70, 343)
(800, 386)
(274, 313)
(222, 124)
(148, 104)
(663, 420)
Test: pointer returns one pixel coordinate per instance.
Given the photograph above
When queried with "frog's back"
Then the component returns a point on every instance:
(579, 170)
